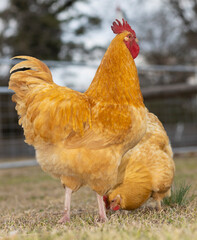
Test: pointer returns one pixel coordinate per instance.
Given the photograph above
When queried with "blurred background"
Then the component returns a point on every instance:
(71, 36)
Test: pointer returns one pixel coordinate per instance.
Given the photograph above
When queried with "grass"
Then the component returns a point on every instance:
(179, 195)
(31, 203)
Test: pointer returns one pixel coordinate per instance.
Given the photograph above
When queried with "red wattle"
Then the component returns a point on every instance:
(135, 50)
(116, 208)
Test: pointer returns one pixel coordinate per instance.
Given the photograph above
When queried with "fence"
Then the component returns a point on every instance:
(175, 105)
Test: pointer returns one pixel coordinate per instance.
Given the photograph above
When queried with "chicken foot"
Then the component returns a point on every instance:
(101, 207)
(66, 216)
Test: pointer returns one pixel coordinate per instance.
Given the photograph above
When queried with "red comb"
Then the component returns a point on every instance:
(118, 27)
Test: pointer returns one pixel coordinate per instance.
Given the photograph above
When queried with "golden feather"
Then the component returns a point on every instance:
(48, 106)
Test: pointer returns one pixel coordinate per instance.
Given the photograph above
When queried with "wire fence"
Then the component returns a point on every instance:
(177, 111)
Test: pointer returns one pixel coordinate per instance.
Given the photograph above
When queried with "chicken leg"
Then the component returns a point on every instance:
(102, 213)
(66, 216)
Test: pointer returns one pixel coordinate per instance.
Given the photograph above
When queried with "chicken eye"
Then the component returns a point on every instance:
(112, 201)
(129, 36)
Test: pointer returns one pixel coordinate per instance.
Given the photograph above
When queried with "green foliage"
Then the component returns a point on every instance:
(36, 30)
(33, 27)
(179, 195)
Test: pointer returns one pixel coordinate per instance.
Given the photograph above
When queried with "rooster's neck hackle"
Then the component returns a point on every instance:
(116, 80)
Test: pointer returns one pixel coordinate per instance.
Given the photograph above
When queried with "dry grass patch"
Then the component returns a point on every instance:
(31, 203)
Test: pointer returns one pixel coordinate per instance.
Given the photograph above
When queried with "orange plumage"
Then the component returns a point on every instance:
(146, 171)
(81, 137)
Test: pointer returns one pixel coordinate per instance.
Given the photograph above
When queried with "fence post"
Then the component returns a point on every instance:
(196, 74)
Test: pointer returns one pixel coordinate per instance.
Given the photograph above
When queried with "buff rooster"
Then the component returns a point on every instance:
(145, 171)
(80, 138)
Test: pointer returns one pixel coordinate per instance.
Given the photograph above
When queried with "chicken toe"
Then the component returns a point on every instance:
(65, 218)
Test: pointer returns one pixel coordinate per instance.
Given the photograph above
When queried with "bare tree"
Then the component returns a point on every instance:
(186, 11)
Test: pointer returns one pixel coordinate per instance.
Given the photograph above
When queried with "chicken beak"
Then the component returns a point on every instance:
(126, 39)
